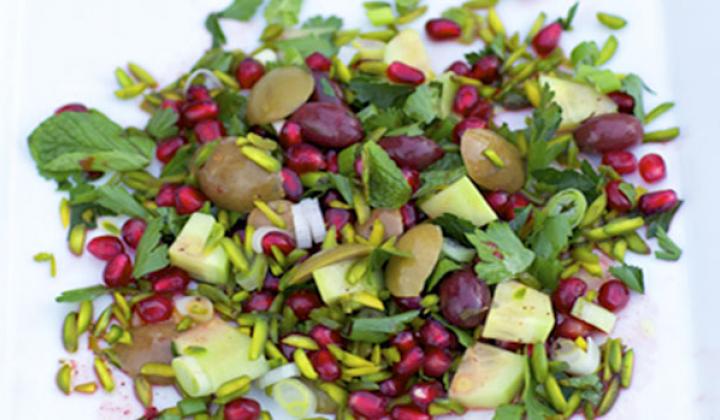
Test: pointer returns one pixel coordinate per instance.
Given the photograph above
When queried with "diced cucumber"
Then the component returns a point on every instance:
(332, 283)
(520, 314)
(577, 101)
(188, 251)
(210, 355)
(461, 199)
(593, 314)
(487, 377)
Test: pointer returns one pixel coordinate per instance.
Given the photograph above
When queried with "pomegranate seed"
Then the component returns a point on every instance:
(318, 62)
(567, 292)
(71, 108)
(248, 72)
(622, 161)
(482, 110)
(207, 131)
(171, 104)
(325, 365)
(465, 99)
(200, 111)
(434, 334)
(515, 201)
(404, 341)
(166, 195)
(424, 393)
(437, 362)
(408, 412)
(132, 231)
(573, 328)
(167, 148)
(367, 404)
(281, 240)
(547, 39)
(290, 134)
(304, 157)
(358, 166)
(105, 247)
(617, 200)
(409, 215)
(466, 124)
(624, 102)
(156, 308)
(652, 168)
(657, 202)
(291, 184)
(151, 413)
(302, 303)
(486, 69)
(118, 271)
(508, 345)
(271, 283)
(410, 362)
(613, 295)
(402, 73)
(188, 200)
(169, 280)
(332, 161)
(392, 387)
(198, 93)
(460, 68)
(259, 301)
(324, 336)
(242, 409)
(412, 177)
(338, 218)
(409, 303)
(498, 200)
(442, 29)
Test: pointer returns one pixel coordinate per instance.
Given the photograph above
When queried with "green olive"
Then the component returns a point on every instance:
(491, 161)
(278, 94)
(390, 218)
(282, 207)
(303, 272)
(405, 276)
(233, 182)
(151, 343)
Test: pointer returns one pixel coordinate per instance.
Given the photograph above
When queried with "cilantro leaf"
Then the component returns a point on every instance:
(76, 141)
(118, 200)
(79, 295)
(509, 412)
(514, 258)
(242, 10)
(541, 128)
(284, 12)
(423, 105)
(567, 178)
(670, 250)
(378, 93)
(151, 254)
(630, 275)
(385, 185)
(550, 237)
(163, 124)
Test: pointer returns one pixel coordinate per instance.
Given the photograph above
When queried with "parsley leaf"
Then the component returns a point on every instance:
(509, 412)
(498, 237)
(284, 12)
(670, 250)
(541, 128)
(233, 106)
(550, 237)
(423, 105)
(378, 93)
(76, 141)
(630, 275)
(385, 185)
(242, 10)
(151, 254)
(118, 200)
(79, 295)
(567, 178)
(163, 124)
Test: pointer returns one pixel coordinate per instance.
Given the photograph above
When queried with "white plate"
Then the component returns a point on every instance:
(55, 52)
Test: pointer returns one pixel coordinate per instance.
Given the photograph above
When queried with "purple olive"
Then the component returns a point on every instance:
(328, 125)
(464, 299)
(326, 89)
(415, 152)
(609, 132)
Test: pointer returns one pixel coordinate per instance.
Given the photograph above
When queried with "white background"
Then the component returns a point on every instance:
(54, 52)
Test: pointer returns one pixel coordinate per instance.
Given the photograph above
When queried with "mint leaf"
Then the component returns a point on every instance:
(283, 12)
(423, 105)
(630, 275)
(215, 59)
(118, 200)
(385, 185)
(378, 93)
(435, 180)
(509, 412)
(77, 141)
(514, 258)
(151, 254)
(550, 237)
(163, 124)
(454, 227)
(242, 10)
(79, 295)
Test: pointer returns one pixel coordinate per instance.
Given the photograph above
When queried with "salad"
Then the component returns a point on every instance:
(364, 238)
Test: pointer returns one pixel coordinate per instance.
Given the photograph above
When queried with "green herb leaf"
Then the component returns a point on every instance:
(604, 81)
(163, 124)
(567, 22)
(464, 338)
(670, 250)
(79, 295)
(509, 412)
(306, 45)
(661, 221)
(423, 105)
(76, 141)
(435, 180)
(466, 19)
(343, 186)
(549, 238)
(284, 12)
(151, 254)
(406, 6)
(540, 130)
(499, 237)
(630, 275)
(443, 267)
(212, 24)
(385, 185)
(567, 178)
(379, 93)
(629, 191)
(633, 85)
(179, 164)
(242, 10)
(233, 106)
(534, 408)
(454, 227)
(326, 25)
(585, 52)
(118, 200)
(377, 330)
